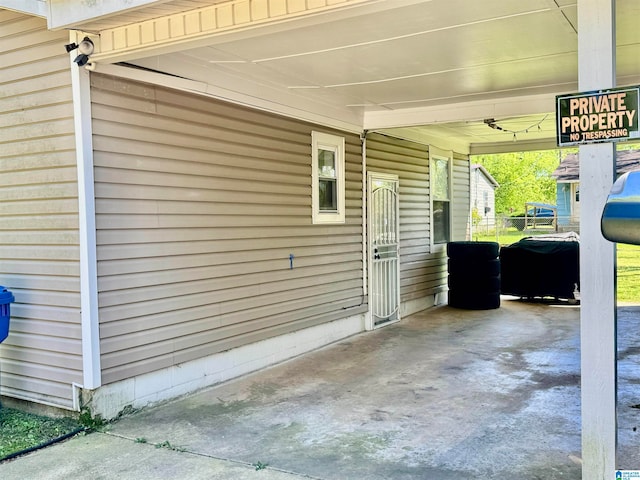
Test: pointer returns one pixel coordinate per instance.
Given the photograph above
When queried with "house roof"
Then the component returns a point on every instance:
(569, 168)
(490, 179)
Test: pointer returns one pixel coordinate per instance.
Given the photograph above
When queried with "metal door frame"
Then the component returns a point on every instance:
(395, 317)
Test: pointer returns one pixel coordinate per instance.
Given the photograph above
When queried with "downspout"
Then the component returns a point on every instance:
(472, 182)
(365, 286)
(91, 369)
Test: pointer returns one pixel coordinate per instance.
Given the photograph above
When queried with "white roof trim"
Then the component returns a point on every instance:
(31, 7)
(463, 111)
(485, 172)
(224, 94)
(69, 13)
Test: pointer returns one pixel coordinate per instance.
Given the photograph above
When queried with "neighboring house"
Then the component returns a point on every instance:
(568, 183)
(483, 198)
(159, 240)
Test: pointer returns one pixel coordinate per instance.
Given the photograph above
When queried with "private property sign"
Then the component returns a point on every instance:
(602, 116)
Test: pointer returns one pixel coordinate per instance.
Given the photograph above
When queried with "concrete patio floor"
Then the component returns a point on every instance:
(443, 394)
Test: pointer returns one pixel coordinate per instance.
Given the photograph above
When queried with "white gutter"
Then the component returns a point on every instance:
(71, 13)
(31, 7)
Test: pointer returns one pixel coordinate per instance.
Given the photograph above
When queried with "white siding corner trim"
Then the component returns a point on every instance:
(87, 225)
(165, 384)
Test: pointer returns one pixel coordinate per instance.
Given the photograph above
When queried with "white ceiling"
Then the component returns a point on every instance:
(437, 68)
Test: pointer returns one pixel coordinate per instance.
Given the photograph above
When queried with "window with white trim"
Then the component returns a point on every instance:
(327, 176)
(440, 175)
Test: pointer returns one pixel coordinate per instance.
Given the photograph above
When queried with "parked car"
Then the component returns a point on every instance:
(535, 216)
(542, 213)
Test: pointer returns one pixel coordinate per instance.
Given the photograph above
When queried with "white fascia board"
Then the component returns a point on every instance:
(486, 174)
(69, 13)
(423, 138)
(268, 105)
(458, 112)
(576, 181)
(511, 147)
(31, 7)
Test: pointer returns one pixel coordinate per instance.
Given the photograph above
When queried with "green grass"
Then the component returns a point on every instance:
(628, 261)
(20, 430)
(628, 273)
(503, 237)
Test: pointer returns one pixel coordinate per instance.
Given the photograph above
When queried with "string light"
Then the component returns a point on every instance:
(491, 123)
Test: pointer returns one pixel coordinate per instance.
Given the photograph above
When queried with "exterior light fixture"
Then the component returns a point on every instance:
(85, 48)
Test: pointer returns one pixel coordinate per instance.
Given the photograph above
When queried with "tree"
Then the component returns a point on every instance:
(523, 177)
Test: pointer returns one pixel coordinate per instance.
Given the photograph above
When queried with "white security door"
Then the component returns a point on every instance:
(384, 261)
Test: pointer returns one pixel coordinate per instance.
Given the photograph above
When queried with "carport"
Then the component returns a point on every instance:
(478, 76)
(445, 394)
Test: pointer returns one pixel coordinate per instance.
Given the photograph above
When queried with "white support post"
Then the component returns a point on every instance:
(80, 82)
(596, 66)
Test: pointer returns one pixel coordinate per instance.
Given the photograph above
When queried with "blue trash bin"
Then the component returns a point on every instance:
(6, 298)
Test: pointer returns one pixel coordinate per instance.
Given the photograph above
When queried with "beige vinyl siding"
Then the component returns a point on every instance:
(461, 216)
(39, 256)
(422, 272)
(419, 269)
(199, 205)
